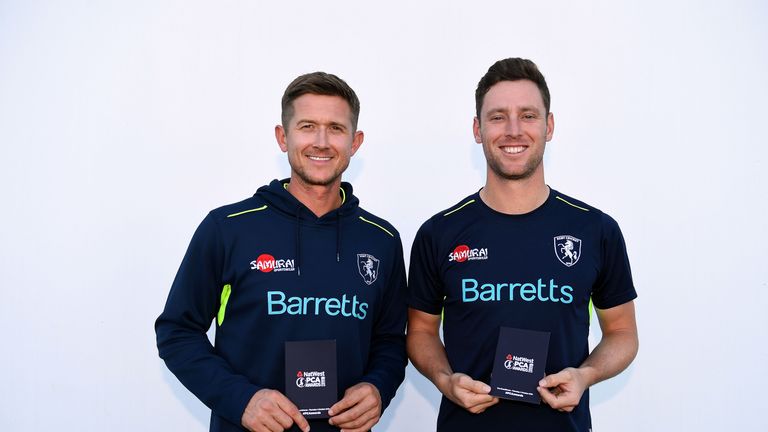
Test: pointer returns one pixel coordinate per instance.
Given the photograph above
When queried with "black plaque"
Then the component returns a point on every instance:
(310, 376)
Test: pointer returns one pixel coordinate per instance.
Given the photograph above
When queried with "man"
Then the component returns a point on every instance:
(518, 254)
(287, 265)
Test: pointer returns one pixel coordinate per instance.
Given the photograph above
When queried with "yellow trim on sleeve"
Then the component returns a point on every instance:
(460, 207)
(248, 211)
(225, 292)
(376, 225)
(572, 204)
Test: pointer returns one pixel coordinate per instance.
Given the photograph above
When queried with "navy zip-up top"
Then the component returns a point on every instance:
(266, 270)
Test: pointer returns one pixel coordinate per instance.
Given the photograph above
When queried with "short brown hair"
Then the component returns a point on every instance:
(511, 69)
(319, 83)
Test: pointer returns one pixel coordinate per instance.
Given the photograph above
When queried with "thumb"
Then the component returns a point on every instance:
(553, 380)
(480, 387)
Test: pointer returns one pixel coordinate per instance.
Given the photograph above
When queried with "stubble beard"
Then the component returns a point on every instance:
(496, 166)
(309, 180)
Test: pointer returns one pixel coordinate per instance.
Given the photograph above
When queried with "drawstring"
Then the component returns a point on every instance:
(298, 240)
(338, 237)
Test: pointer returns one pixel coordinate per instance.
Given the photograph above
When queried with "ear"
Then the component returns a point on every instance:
(280, 137)
(357, 141)
(476, 130)
(550, 126)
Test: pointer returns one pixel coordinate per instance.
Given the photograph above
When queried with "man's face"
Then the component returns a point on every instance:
(514, 128)
(319, 139)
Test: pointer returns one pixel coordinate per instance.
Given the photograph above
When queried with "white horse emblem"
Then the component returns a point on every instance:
(368, 265)
(567, 249)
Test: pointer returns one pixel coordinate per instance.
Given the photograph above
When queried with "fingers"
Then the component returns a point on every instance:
(470, 394)
(555, 380)
(270, 411)
(293, 412)
(358, 410)
(364, 422)
(472, 385)
(477, 409)
(561, 391)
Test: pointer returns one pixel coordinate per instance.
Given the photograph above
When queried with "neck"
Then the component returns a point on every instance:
(515, 196)
(318, 199)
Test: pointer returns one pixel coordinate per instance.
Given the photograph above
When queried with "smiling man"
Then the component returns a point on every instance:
(298, 261)
(518, 254)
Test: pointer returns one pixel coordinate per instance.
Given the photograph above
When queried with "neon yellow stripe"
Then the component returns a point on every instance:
(461, 207)
(571, 204)
(225, 292)
(248, 211)
(590, 310)
(375, 224)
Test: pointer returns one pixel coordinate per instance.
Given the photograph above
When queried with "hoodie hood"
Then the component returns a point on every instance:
(279, 199)
(276, 196)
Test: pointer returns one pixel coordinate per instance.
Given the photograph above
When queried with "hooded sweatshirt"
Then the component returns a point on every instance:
(266, 270)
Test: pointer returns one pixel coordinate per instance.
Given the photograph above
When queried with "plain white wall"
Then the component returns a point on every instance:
(123, 122)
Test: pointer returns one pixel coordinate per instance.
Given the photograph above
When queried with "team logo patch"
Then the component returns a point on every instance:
(463, 253)
(368, 265)
(266, 263)
(567, 249)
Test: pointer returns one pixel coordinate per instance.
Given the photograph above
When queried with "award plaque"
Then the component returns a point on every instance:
(310, 376)
(518, 365)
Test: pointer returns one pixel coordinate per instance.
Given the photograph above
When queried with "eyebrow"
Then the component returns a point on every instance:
(524, 108)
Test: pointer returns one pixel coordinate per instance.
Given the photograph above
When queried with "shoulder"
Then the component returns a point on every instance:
(369, 221)
(575, 208)
(239, 211)
(464, 209)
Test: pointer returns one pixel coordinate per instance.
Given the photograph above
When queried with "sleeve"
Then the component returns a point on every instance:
(425, 288)
(614, 285)
(181, 328)
(387, 358)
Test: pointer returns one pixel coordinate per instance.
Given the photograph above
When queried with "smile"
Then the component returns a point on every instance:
(320, 158)
(513, 149)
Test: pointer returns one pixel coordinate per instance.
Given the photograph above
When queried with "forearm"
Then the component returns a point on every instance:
(612, 355)
(386, 367)
(189, 355)
(427, 353)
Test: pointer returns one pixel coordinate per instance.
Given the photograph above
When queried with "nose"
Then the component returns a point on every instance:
(513, 128)
(322, 139)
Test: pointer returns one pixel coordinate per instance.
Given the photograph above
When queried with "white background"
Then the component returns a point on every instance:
(123, 123)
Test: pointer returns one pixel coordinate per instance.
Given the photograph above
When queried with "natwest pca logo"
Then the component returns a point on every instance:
(310, 379)
(267, 263)
(463, 253)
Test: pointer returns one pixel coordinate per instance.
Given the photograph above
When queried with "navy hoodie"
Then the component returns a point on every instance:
(266, 270)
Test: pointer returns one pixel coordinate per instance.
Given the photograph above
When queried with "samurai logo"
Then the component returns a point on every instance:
(368, 265)
(567, 249)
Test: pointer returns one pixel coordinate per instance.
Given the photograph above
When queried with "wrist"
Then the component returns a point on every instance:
(442, 380)
(588, 375)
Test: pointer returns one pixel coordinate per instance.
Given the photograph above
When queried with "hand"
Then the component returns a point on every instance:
(470, 394)
(358, 410)
(562, 391)
(270, 411)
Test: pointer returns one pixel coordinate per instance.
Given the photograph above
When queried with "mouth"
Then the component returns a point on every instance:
(513, 149)
(319, 158)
